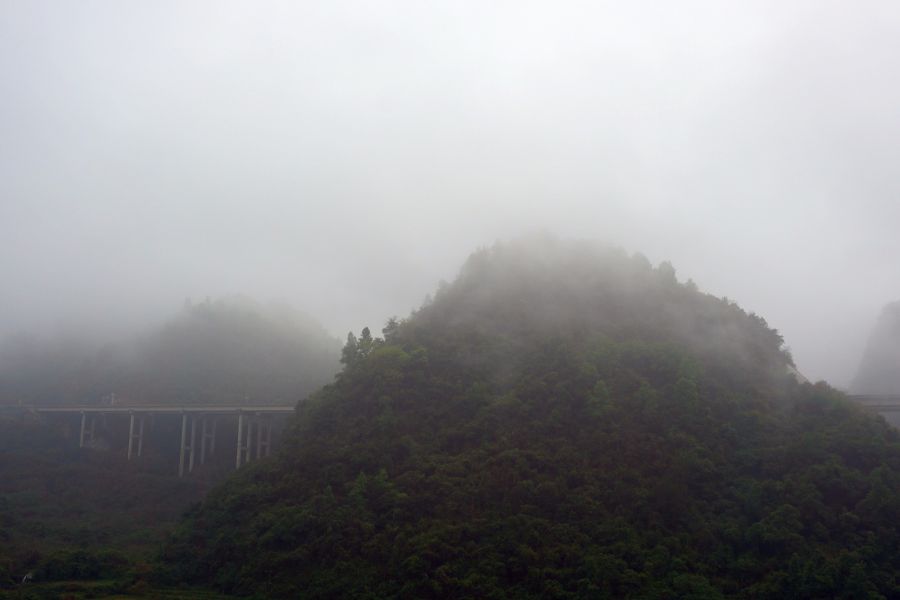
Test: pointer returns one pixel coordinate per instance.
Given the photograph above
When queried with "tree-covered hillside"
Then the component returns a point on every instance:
(213, 352)
(562, 421)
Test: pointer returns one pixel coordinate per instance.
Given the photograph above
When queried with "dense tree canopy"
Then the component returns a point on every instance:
(562, 421)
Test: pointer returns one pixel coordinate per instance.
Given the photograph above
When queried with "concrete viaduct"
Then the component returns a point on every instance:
(260, 415)
(879, 403)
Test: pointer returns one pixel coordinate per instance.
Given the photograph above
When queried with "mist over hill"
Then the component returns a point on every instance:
(228, 351)
(539, 287)
(561, 421)
(879, 370)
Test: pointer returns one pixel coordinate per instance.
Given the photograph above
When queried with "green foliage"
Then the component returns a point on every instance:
(561, 422)
(82, 564)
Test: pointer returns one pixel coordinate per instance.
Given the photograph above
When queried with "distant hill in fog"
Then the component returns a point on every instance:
(224, 351)
(879, 370)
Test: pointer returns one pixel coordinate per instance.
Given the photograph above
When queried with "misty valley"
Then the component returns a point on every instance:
(562, 420)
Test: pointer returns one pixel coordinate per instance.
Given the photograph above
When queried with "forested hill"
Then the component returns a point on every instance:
(879, 370)
(562, 421)
(225, 351)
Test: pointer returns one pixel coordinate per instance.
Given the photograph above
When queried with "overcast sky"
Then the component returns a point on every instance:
(347, 156)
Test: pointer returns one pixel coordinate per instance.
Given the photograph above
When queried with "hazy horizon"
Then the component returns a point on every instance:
(345, 158)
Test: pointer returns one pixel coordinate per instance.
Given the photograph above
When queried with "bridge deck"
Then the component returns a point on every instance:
(261, 414)
(883, 403)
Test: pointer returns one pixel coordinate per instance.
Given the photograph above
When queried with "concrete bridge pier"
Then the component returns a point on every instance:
(247, 448)
(249, 415)
(240, 437)
(193, 445)
(211, 436)
(263, 442)
(136, 436)
(186, 447)
(90, 431)
(243, 450)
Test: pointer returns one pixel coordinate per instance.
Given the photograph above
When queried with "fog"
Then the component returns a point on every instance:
(878, 371)
(347, 156)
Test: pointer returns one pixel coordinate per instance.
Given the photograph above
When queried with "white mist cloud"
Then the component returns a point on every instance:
(347, 156)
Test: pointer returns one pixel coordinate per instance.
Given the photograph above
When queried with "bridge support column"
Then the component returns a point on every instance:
(81, 439)
(207, 432)
(240, 435)
(244, 450)
(193, 437)
(130, 435)
(202, 439)
(140, 437)
(183, 434)
(263, 441)
(249, 439)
